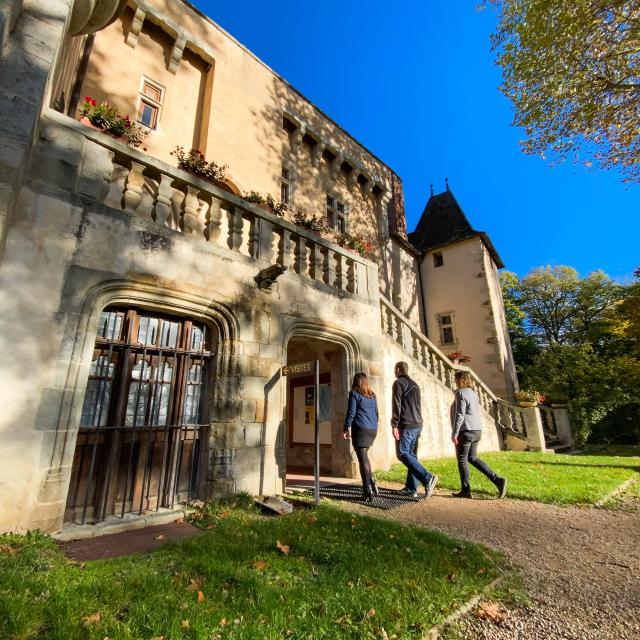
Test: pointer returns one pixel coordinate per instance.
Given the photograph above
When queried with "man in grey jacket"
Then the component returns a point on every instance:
(466, 433)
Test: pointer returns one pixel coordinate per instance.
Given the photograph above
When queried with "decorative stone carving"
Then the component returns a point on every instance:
(89, 16)
(136, 26)
(190, 211)
(296, 139)
(316, 154)
(334, 167)
(162, 210)
(133, 187)
(352, 179)
(176, 53)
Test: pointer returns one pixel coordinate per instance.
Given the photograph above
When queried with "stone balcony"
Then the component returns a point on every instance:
(98, 168)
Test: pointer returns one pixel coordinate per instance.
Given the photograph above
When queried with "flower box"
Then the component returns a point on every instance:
(87, 123)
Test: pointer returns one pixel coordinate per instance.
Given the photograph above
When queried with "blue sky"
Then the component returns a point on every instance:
(415, 82)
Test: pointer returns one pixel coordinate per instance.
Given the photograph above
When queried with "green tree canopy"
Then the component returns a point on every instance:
(578, 338)
(572, 70)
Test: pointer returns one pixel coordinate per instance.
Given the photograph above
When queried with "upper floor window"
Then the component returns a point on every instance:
(151, 99)
(438, 260)
(336, 214)
(445, 324)
(286, 185)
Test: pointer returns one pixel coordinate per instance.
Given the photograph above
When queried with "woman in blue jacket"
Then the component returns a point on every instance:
(362, 419)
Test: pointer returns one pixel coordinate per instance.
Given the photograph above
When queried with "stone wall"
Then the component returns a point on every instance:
(68, 255)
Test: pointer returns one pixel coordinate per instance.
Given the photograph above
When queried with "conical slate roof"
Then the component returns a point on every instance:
(443, 222)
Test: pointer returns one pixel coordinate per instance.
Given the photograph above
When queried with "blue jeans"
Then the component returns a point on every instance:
(406, 451)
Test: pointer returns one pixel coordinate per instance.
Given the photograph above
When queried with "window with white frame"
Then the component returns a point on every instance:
(150, 103)
(336, 214)
(445, 325)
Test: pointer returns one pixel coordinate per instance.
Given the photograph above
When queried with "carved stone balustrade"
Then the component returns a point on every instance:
(123, 178)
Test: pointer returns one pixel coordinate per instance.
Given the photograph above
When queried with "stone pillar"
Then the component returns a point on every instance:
(533, 424)
(31, 37)
(563, 425)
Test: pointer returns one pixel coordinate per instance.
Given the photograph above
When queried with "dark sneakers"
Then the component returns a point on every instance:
(501, 485)
(408, 492)
(462, 494)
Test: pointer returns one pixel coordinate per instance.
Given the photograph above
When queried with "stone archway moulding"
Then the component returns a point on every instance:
(329, 334)
(142, 295)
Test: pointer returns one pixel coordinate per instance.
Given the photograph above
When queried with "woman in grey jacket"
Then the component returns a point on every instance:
(466, 433)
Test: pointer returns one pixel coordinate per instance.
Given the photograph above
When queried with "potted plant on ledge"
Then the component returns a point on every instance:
(194, 162)
(354, 243)
(458, 357)
(106, 118)
(528, 398)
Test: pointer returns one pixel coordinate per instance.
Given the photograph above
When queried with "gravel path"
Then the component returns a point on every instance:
(581, 566)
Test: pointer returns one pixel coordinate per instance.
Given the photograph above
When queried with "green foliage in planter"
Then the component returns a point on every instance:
(277, 208)
(194, 162)
(109, 119)
(355, 243)
(313, 223)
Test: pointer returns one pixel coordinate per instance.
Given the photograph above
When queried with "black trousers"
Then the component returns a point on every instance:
(466, 453)
(362, 453)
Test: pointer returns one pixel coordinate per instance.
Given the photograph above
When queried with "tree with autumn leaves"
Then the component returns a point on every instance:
(572, 70)
(579, 339)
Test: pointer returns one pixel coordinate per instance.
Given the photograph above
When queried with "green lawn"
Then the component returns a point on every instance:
(343, 576)
(544, 477)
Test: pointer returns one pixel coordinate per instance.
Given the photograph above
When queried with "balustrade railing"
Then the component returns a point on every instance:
(399, 328)
(549, 425)
(151, 189)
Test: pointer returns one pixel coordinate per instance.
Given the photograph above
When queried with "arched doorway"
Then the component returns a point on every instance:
(140, 445)
(336, 358)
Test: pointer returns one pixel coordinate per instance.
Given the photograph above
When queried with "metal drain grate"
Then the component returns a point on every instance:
(386, 498)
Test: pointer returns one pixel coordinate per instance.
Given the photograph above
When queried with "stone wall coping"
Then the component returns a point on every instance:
(202, 185)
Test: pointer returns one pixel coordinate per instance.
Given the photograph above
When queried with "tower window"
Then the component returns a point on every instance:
(285, 185)
(445, 324)
(438, 260)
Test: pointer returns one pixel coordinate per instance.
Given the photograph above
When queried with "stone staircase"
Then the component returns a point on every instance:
(535, 429)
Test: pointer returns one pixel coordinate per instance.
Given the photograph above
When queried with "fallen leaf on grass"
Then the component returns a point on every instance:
(92, 619)
(194, 584)
(450, 577)
(260, 565)
(223, 622)
(282, 547)
(200, 596)
(157, 638)
(489, 611)
(370, 613)
(312, 519)
(7, 548)
(383, 634)
(482, 570)
(224, 514)
(184, 624)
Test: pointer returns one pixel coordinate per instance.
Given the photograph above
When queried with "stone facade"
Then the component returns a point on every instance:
(90, 225)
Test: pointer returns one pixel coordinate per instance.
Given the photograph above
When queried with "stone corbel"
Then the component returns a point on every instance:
(316, 154)
(367, 187)
(134, 29)
(296, 139)
(334, 167)
(176, 53)
(352, 180)
(89, 16)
